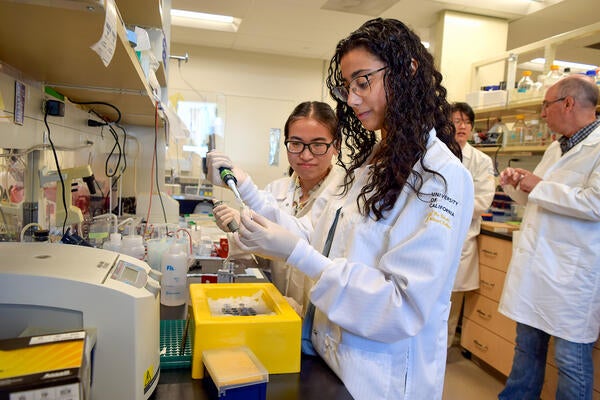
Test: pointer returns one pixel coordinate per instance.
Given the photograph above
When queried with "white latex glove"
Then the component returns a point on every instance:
(235, 252)
(260, 236)
(224, 215)
(215, 160)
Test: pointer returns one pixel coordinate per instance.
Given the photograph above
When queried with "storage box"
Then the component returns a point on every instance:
(234, 374)
(274, 339)
(490, 98)
(53, 366)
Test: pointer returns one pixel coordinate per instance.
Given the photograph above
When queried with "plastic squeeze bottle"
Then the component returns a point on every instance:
(174, 267)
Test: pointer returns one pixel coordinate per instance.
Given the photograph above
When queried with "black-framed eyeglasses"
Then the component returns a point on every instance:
(459, 122)
(316, 148)
(547, 103)
(360, 86)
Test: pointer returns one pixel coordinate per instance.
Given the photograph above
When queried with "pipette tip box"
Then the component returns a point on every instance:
(234, 374)
(273, 337)
(49, 366)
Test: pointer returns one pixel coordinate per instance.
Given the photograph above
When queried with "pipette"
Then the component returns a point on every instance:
(232, 225)
(230, 180)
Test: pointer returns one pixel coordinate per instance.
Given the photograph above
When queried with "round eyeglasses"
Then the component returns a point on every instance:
(360, 86)
(316, 148)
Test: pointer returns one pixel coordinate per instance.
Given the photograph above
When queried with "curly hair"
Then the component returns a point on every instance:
(416, 103)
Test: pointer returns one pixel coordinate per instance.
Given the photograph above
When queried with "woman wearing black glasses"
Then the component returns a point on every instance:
(393, 236)
(312, 141)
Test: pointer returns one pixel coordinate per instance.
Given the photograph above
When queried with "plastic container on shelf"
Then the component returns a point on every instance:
(525, 83)
(174, 267)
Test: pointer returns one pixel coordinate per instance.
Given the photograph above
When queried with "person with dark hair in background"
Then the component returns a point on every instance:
(384, 251)
(552, 287)
(482, 171)
(312, 140)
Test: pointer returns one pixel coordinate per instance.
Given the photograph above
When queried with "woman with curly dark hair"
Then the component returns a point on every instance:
(391, 238)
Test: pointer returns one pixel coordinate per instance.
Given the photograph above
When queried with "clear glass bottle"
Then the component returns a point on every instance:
(533, 135)
(497, 133)
(553, 76)
(525, 83)
(518, 131)
(546, 139)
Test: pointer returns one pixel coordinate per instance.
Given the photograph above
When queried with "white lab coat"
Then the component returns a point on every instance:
(290, 281)
(382, 296)
(482, 170)
(553, 280)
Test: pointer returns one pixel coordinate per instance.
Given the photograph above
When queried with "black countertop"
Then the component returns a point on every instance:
(499, 235)
(314, 381)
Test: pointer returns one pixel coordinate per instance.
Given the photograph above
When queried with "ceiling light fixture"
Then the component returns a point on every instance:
(191, 19)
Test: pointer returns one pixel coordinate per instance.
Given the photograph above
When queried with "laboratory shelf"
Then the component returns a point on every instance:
(51, 44)
(537, 149)
(137, 12)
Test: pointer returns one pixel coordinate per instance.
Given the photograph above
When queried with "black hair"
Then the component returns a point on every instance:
(318, 111)
(416, 103)
(466, 109)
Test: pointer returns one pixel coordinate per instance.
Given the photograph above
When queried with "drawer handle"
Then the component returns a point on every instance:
(483, 314)
(490, 253)
(486, 283)
(480, 346)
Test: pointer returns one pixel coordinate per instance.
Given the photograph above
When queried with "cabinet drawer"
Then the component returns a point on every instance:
(484, 312)
(494, 252)
(487, 346)
(491, 282)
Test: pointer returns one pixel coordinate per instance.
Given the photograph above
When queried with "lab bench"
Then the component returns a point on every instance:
(314, 381)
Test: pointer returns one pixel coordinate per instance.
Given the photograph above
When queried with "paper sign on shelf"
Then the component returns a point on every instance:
(105, 47)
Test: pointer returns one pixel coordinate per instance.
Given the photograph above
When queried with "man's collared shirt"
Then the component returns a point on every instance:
(567, 144)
